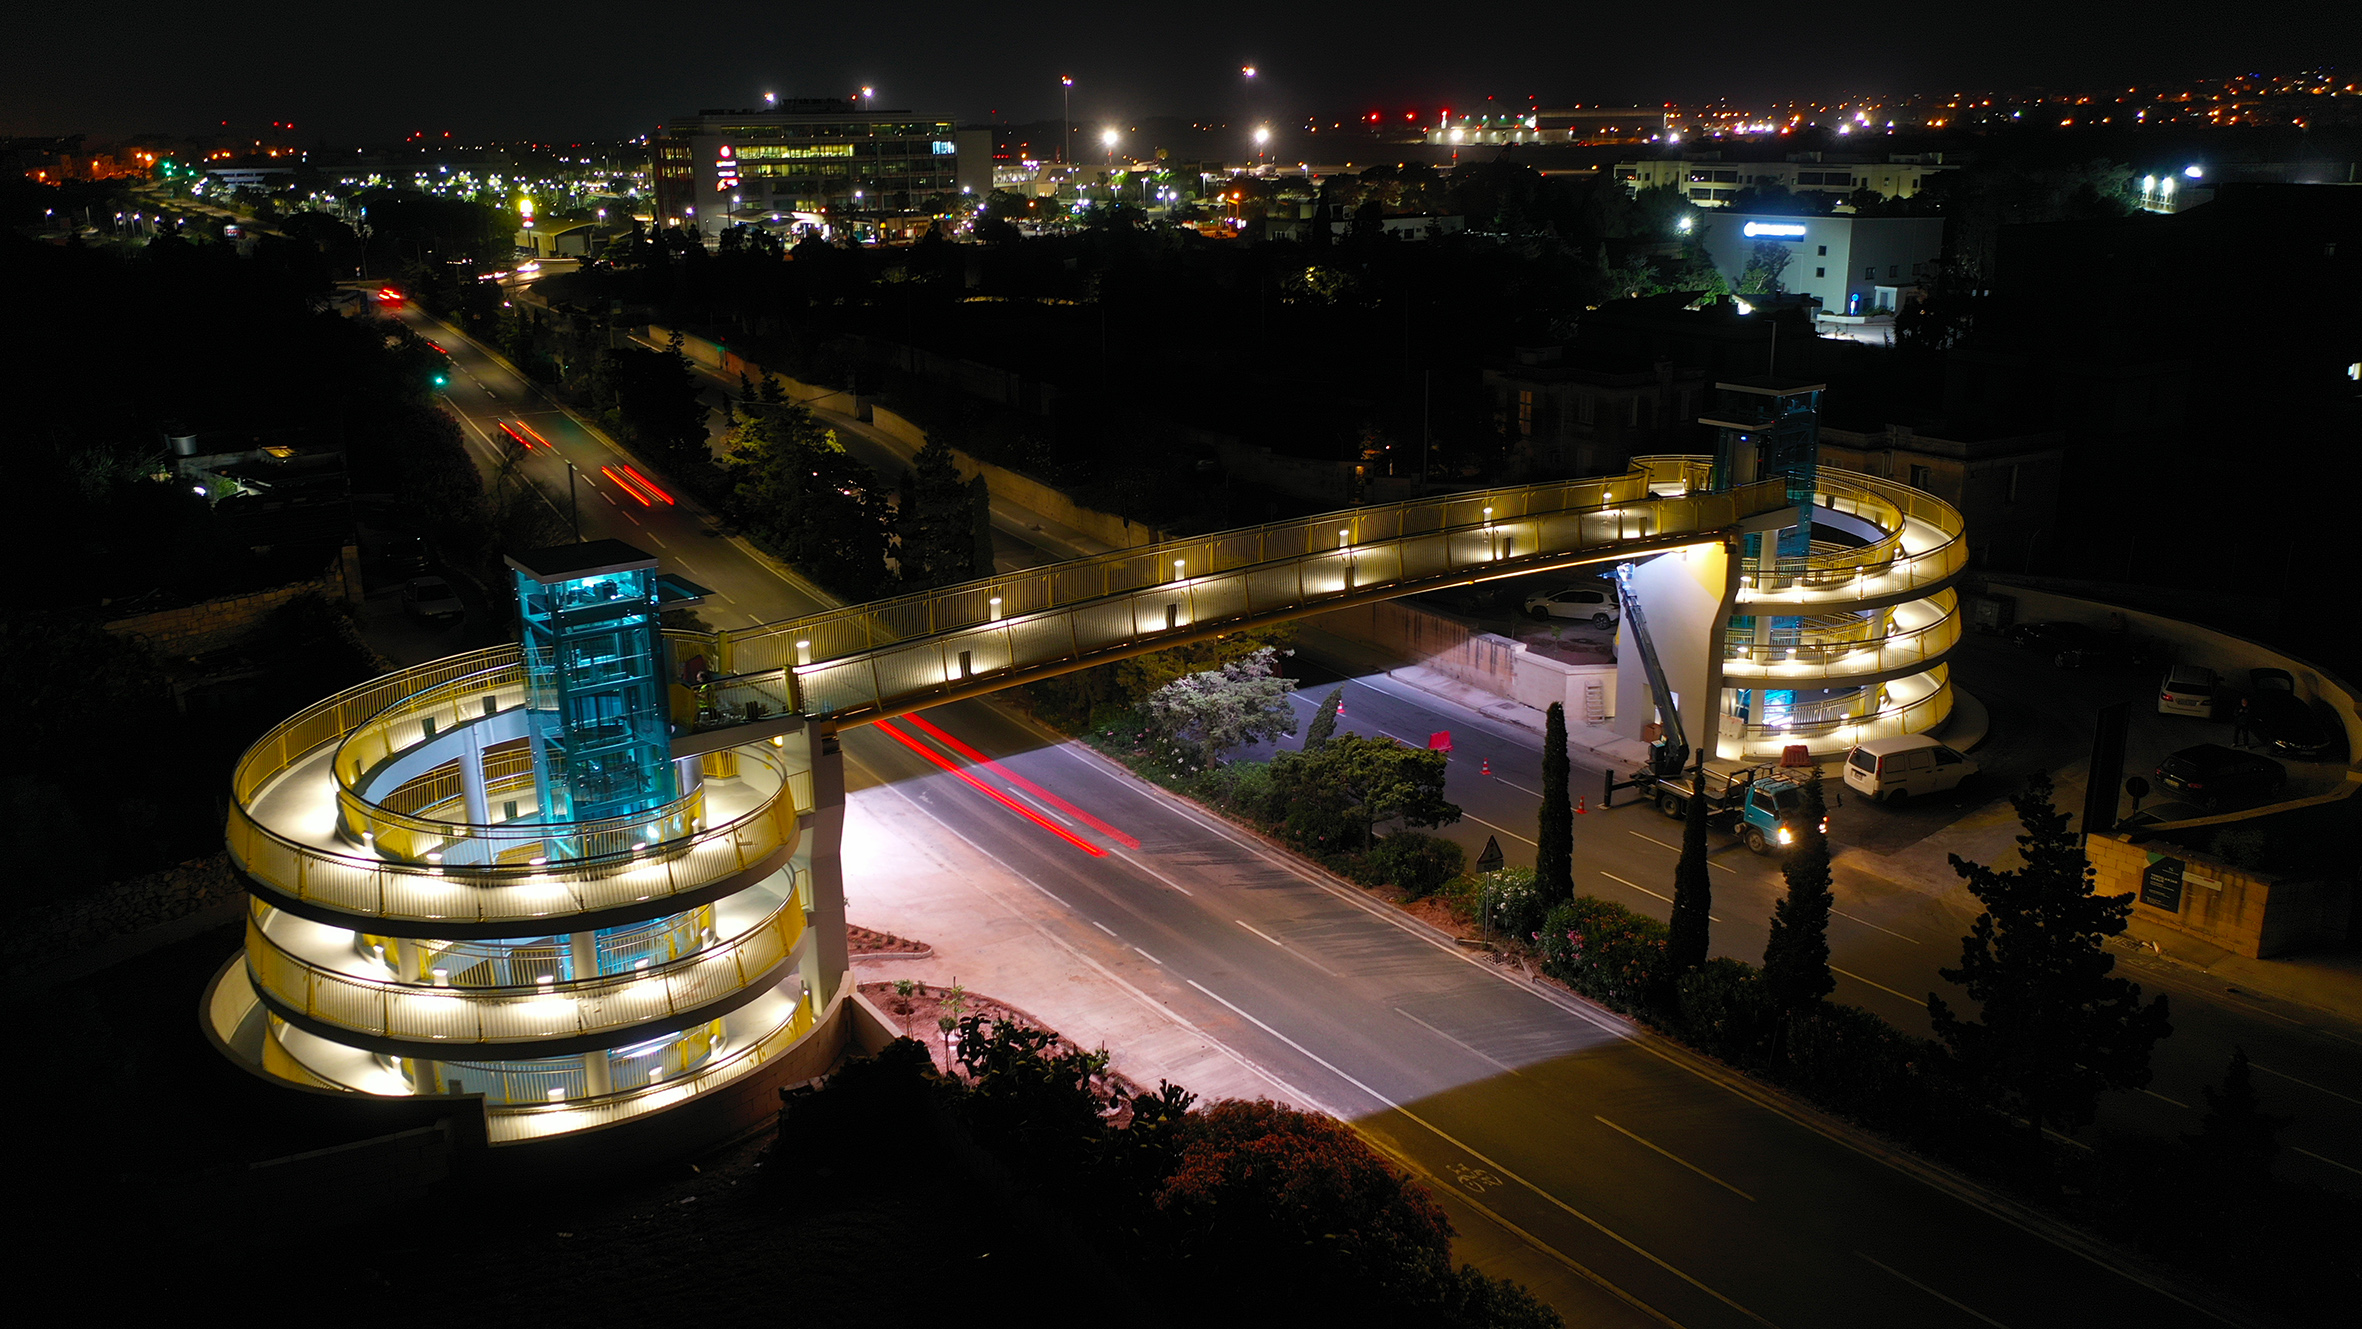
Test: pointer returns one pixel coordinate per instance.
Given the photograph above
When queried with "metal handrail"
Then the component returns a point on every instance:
(1932, 639)
(868, 683)
(1916, 712)
(538, 893)
(402, 726)
(859, 628)
(1872, 570)
(523, 1121)
(519, 1013)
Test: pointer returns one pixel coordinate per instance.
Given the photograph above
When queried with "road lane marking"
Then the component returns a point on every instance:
(1470, 1150)
(2163, 1099)
(1502, 829)
(1965, 1310)
(1812, 1122)
(1441, 1034)
(1646, 891)
(1868, 924)
(2307, 1084)
(1677, 849)
(1674, 1156)
(1104, 928)
(2357, 1171)
(1156, 874)
(1146, 956)
(1520, 788)
(1285, 947)
(1916, 1001)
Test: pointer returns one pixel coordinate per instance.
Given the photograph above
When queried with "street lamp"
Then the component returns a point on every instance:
(1262, 141)
(1065, 117)
(1108, 136)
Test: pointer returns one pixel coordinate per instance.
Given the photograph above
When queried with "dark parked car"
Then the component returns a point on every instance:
(2211, 775)
(2112, 651)
(2052, 636)
(2281, 720)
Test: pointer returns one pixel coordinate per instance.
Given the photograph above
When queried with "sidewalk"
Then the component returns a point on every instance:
(2326, 982)
(996, 933)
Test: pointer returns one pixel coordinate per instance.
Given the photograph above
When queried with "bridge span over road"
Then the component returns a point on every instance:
(421, 933)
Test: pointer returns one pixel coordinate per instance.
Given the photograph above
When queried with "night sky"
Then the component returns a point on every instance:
(345, 71)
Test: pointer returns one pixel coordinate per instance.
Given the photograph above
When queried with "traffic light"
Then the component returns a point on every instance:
(442, 380)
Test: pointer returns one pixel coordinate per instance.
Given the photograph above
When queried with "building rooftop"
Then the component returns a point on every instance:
(567, 562)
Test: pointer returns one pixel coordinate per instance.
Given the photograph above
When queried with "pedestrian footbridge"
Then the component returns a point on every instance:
(430, 918)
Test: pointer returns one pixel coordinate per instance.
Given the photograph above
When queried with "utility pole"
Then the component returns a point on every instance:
(573, 503)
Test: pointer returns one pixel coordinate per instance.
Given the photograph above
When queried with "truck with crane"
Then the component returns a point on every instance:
(1761, 803)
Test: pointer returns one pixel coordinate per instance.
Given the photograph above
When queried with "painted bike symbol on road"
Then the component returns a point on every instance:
(1475, 1180)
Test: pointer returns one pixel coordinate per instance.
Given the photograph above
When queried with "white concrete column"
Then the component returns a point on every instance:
(595, 1077)
(471, 783)
(827, 838)
(583, 948)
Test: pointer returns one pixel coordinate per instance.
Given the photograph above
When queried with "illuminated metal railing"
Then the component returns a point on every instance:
(526, 1121)
(871, 683)
(1748, 664)
(448, 709)
(1881, 570)
(365, 885)
(521, 1013)
(1850, 718)
(1326, 539)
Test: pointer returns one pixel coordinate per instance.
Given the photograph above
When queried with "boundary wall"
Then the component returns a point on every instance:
(1023, 490)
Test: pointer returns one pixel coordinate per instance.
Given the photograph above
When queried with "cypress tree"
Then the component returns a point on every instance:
(1796, 959)
(980, 514)
(2237, 1135)
(1554, 838)
(1324, 724)
(2056, 1026)
(1693, 894)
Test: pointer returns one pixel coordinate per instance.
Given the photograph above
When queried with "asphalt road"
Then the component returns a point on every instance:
(1631, 1160)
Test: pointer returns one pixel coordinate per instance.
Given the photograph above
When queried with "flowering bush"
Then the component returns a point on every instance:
(1605, 951)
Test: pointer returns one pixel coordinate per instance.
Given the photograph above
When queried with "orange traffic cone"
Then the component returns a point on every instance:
(1581, 806)
(1488, 766)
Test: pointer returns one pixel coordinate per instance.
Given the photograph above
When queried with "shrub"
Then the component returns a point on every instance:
(1288, 1206)
(1242, 788)
(1510, 903)
(1606, 952)
(1720, 1005)
(1413, 862)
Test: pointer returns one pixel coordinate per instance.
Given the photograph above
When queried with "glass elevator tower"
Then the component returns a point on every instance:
(595, 673)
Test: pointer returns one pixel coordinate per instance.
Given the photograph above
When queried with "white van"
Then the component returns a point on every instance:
(1890, 770)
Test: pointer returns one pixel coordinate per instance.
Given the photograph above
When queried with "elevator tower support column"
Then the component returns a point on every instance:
(595, 678)
(1766, 428)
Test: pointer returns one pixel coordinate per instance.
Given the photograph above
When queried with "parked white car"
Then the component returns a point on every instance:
(1890, 770)
(1594, 604)
(2189, 690)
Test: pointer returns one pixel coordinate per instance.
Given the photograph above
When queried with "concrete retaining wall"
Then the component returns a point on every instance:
(1423, 637)
(214, 625)
(730, 363)
(2240, 910)
(1025, 491)
(2191, 644)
